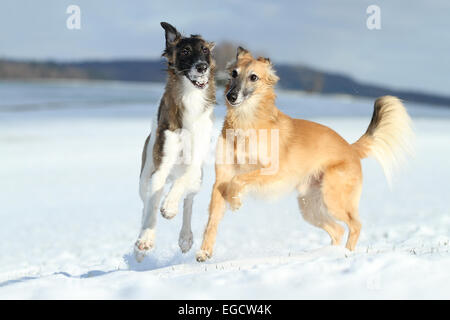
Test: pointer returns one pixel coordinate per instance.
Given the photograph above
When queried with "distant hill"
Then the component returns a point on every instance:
(126, 70)
(292, 77)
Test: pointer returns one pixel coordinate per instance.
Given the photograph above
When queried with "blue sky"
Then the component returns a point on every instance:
(411, 50)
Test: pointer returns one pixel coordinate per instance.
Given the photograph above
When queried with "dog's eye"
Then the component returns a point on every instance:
(234, 74)
(254, 77)
(185, 51)
(205, 50)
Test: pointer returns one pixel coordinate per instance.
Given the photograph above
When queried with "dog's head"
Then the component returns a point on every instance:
(189, 56)
(250, 79)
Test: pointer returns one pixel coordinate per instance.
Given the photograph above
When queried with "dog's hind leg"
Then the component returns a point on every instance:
(341, 190)
(315, 212)
(185, 240)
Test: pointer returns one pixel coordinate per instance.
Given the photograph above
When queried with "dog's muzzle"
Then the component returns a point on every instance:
(199, 75)
(201, 67)
(233, 96)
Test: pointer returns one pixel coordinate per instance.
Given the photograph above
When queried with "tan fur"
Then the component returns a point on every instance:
(313, 159)
(389, 135)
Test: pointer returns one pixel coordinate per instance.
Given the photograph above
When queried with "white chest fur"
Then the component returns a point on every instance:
(197, 123)
(194, 102)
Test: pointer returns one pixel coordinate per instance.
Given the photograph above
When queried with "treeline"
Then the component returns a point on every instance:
(292, 77)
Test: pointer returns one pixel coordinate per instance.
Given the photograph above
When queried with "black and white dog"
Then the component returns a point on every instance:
(185, 118)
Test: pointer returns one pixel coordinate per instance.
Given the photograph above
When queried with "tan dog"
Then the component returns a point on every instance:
(313, 159)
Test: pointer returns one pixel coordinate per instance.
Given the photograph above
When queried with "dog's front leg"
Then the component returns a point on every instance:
(242, 183)
(152, 196)
(146, 237)
(190, 182)
(216, 210)
(234, 193)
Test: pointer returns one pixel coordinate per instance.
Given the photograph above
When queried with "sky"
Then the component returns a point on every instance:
(410, 51)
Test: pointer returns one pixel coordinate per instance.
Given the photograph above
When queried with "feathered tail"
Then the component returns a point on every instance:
(389, 135)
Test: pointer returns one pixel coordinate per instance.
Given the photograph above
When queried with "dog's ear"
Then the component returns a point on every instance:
(242, 52)
(272, 77)
(172, 35)
(265, 60)
(211, 45)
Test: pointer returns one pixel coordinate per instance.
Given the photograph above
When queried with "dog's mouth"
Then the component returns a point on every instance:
(199, 83)
(197, 78)
(234, 104)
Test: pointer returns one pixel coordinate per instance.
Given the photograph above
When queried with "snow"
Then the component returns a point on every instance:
(70, 210)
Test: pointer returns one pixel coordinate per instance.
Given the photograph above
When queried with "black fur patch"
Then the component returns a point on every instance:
(184, 52)
(197, 51)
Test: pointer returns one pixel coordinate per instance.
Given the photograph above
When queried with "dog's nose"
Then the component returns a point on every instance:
(201, 67)
(232, 96)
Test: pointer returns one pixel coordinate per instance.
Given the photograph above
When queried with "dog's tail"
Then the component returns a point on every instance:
(389, 135)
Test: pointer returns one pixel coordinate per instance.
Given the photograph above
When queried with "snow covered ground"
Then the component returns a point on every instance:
(70, 211)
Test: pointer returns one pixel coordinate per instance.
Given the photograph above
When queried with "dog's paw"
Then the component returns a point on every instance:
(169, 209)
(144, 244)
(202, 256)
(185, 241)
(139, 254)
